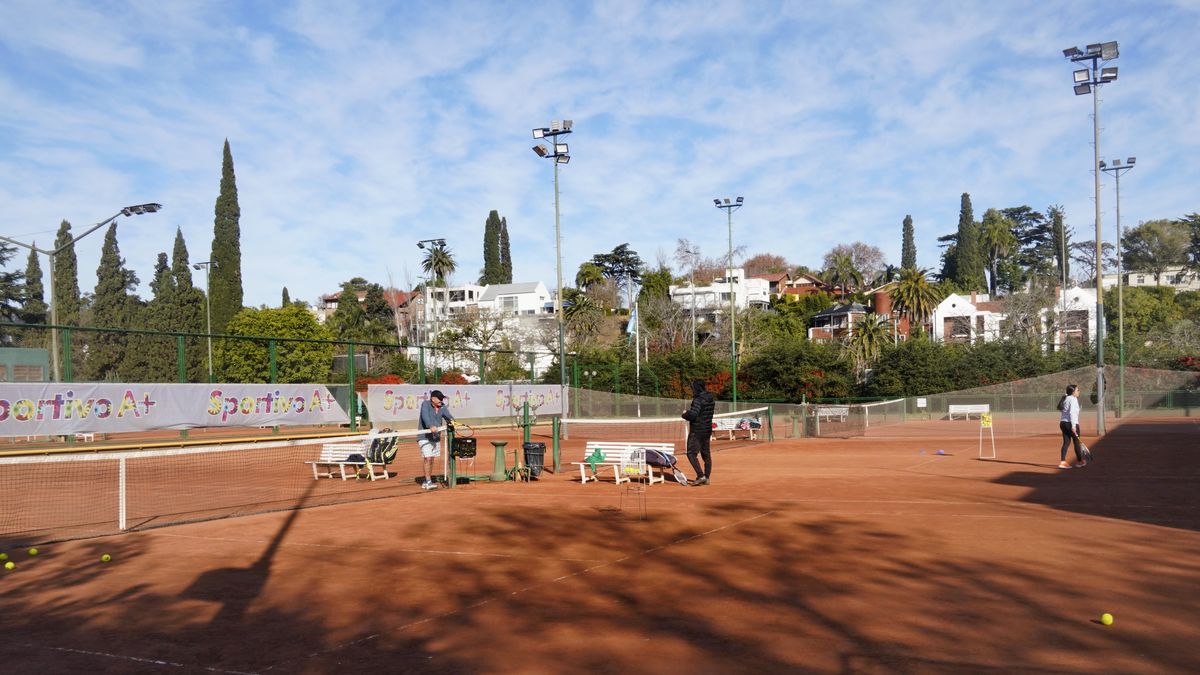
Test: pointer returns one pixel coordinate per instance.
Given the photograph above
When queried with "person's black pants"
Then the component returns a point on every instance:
(698, 444)
(1069, 435)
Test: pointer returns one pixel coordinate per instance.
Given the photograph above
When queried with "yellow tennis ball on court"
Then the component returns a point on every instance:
(105, 558)
(10, 565)
(3, 557)
(33, 551)
(1106, 619)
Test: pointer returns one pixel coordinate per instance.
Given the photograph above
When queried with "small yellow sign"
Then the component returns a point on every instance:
(985, 421)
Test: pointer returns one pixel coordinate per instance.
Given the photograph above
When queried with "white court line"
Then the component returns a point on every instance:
(520, 591)
(135, 659)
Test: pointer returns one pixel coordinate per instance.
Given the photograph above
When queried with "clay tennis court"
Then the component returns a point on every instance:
(809, 555)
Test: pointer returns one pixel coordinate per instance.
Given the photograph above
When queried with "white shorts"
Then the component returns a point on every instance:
(429, 449)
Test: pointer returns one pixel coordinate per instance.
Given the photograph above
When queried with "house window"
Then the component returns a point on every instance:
(1141, 278)
(508, 303)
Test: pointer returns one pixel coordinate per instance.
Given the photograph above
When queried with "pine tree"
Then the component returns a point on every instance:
(225, 284)
(12, 291)
(285, 300)
(33, 303)
(908, 250)
(506, 276)
(112, 307)
(492, 265)
(969, 259)
(66, 278)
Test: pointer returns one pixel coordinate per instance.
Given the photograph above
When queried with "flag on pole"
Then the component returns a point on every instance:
(632, 326)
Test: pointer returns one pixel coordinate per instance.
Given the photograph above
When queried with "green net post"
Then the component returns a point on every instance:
(525, 421)
(795, 426)
(452, 465)
(554, 421)
(273, 359)
(68, 374)
(180, 362)
(482, 367)
(421, 364)
(770, 424)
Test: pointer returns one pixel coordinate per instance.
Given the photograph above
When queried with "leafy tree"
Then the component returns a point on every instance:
(113, 307)
(969, 258)
(1192, 223)
(66, 278)
(996, 235)
(914, 367)
(794, 370)
(11, 290)
(225, 284)
(908, 247)
(622, 266)
(1148, 309)
(914, 297)
(248, 360)
(1156, 245)
(493, 267)
(506, 276)
(656, 284)
(866, 259)
(349, 320)
(765, 263)
(1083, 254)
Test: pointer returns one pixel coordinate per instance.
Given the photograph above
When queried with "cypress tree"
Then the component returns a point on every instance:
(66, 278)
(112, 307)
(187, 312)
(505, 254)
(492, 267)
(33, 303)
(152, 358)
(12, 291)
(285, 300)
(908, 250)
(225, 282)
(969, 263)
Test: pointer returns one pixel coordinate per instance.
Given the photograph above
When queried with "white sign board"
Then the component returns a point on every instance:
(922, 403)
(63, 408)
(402, 402)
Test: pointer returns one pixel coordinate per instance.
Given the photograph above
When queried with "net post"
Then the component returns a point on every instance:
(451, 462)
(525, 420)
(770, 423)
(554, 436)
(121, 493)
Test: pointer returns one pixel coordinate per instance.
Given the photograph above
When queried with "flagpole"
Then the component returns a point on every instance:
(637, 349)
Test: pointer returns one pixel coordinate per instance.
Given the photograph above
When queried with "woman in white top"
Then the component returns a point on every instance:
(1068, 423)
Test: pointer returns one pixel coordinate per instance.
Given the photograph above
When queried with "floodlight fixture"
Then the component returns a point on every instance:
(740, 200)
(717, 202)
(1093, 49)
(139, 209)
(1071, 51)
(1081, 89)
(1131, 161)
(1108, 74)
(561, 149)
(540, 132)
(1108, 51)
(1081, 75)
(541, 151)
(1103, 165)
(562, 159)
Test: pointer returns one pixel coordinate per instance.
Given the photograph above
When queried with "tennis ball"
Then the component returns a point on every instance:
(10, 565)
(1106, 619)
(33, 551)
(105, 558)
(3, 557)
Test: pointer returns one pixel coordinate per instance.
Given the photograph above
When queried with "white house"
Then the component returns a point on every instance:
(1177, 277)
(713, 298)
(530, 298)
(978, 318)
(445, 302)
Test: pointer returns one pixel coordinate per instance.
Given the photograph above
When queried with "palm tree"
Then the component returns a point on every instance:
(842, 272)
(438, 264)
(865, 342)
(998, 241)
(914, 296)
(589, 275)
(582, 314)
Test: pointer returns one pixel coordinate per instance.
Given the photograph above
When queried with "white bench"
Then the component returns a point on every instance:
(966, 410)
(831, 412)
(734, 424)
(617, 455)
(335, 455)
(85, 437)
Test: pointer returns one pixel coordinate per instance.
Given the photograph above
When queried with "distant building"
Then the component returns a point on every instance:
(713, 299)
(1176, 277)
(977, 318)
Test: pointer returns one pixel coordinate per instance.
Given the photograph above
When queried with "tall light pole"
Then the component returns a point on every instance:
(1116, 170)
(135, 210)
(1088, 82)
(560, 154)
(730, 207)
(207, 309)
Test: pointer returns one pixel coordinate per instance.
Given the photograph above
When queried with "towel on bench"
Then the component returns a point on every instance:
(595, 458)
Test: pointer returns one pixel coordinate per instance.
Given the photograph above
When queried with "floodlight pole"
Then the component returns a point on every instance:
(1116, 169)
(1086, 82)
(51, 254)
(558, 153)
(729, 208)
(207, 309)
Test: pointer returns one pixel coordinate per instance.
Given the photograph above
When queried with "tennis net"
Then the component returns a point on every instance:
(638, 429)
(754, 424)
(48, 497)
(857, 419)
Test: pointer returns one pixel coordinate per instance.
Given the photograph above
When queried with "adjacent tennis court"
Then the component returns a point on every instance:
(869, 554)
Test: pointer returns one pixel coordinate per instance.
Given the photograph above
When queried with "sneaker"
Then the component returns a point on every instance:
(428, 485)
(1063, 465)
(1080, 464)
(680, 478)
(700, 480)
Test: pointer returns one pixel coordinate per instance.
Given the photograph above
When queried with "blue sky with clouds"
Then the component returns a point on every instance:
(359, 128)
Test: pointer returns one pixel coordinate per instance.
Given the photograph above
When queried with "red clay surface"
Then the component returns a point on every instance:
(858, 555)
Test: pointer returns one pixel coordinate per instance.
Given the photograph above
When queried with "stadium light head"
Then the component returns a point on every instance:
(1108, 51)
(727, 200)
(139, 209)
(561, 149)
(1081, 75)
(1071, 51)
(1103, 165)
(1093, 49)
(1108, 74)
(540, 132)
(739, 200)
(541, 151)
(562, 159)
(1081, 89)
(420, 244)
(717, 202)
(1131, 161)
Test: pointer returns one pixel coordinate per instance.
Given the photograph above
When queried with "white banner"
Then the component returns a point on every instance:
(57, 409)
(402, 402)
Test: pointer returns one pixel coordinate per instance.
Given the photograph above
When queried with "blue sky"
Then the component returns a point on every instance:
(359, 128)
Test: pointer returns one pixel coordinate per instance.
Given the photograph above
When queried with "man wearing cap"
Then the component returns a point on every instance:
(433, 411)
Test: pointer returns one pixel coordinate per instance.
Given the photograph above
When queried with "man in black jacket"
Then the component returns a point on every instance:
(699, 417)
